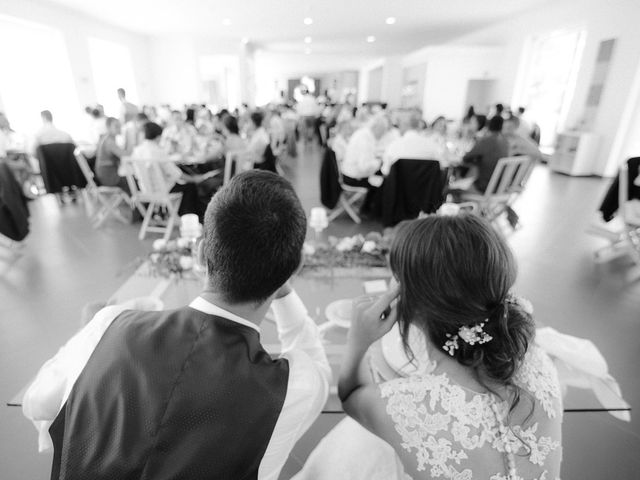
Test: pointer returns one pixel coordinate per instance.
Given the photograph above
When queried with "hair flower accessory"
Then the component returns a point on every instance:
(470, 335)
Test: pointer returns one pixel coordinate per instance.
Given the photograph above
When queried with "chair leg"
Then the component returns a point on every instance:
(108, 206)
(349, 209)
(145, 222)
(173, 216)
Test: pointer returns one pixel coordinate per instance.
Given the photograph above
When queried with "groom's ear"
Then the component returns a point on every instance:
(202, 261)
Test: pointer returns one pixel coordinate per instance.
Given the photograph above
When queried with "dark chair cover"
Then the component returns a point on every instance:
(14, 213)
(269, 162)
(411, 187)
(330, 189)
(59, 167)
(609, 205)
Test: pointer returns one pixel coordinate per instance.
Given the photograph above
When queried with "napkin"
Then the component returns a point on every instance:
(580, 364)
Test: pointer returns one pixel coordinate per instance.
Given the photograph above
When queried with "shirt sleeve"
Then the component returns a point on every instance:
(308, 385)
(47, 394)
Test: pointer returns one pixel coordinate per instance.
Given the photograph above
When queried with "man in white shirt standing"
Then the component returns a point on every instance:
(48, 133)
(128, 110)
(411, 145)
(191, 393)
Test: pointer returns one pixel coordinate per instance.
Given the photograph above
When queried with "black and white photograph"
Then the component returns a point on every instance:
(319, 240)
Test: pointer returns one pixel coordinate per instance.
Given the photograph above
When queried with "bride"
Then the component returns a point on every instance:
(488, 407)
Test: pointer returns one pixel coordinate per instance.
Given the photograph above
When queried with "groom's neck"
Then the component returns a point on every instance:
(252, 312)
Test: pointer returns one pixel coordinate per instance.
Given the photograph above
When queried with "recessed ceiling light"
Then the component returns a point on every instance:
(307, 39)
(308, 21)
(244, 40)
(390, 20)
(307, 51)
(371, 39)
(226, 22)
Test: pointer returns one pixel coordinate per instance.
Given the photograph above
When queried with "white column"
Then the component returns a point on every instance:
(247, 71)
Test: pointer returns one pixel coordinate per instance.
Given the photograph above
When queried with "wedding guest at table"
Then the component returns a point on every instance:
(258, 138)
(175, 178)
(360, 161)
(191, 392)
(108, 157)
(13, 149)
(179, 136)
(276, 132)
(233, 142)
(485, 154)
(128, 110)
(412, 145)
(519, 145)
(340, 139)
(134, 132)
(485, 404)
(49, 133)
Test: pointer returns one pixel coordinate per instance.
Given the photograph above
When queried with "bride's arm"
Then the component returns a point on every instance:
(371, 320)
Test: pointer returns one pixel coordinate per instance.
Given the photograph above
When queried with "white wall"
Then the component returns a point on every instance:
(274, 68)
(602, 20)
(448, 71)
(76, 28)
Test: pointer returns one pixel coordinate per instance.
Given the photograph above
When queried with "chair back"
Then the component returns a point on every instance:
(233, 165)
(151, 184)
(509, 176)
(86, 170)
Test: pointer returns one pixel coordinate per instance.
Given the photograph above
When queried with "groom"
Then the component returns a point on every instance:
(191, 393)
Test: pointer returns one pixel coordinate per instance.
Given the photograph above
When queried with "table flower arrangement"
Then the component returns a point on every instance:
(173, 257)
(357, 252)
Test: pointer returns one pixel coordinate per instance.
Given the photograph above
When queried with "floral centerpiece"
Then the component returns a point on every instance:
(173, 257)
(359, 252)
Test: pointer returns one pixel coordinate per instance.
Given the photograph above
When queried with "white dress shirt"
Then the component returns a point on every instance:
(411, 145)
(48, 133)
(307, 387)
(258, 143)
(360, 156)
(151, 150)
(308, 106)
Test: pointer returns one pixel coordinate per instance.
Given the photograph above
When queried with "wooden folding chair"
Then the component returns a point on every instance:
(101, 202)
(626, 240)
(505, 185)
(148, 186)
(235, 162)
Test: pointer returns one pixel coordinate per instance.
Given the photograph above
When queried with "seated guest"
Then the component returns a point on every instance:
(360, 161)
(258, 138)
(134, 132)
(179, 136)
(339, 141)
(48, 133)
(486, 153)
(485, 404)
(233, 142)
(191, 393)
(412, 145)
(13, 149)
(175, 178)
(277, 132)
(128, 110)
(519, 145)
(108, 157)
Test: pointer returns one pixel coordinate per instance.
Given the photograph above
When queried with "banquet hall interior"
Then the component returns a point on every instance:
(375, 111)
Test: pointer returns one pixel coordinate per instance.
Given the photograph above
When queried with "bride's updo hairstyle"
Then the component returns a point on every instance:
(456, 271)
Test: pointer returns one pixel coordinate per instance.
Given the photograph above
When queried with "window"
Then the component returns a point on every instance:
(550, 79)
(36, 76)
(112, 68)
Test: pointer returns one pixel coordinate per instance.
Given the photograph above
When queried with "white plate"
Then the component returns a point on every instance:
(339, 312)
(394, 354)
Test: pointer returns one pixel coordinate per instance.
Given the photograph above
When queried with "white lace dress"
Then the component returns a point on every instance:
(446, 431)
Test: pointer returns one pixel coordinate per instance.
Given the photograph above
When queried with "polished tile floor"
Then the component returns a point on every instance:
(66, 264)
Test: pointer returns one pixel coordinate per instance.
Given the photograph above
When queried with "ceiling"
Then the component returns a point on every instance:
(339, 26)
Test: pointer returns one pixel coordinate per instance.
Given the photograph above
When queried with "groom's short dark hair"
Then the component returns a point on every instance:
(254, 229)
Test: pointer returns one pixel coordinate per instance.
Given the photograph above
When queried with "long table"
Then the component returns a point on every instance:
(317, 289)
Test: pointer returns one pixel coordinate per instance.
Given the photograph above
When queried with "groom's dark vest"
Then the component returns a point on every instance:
(170, 395)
